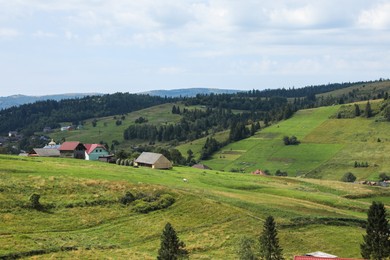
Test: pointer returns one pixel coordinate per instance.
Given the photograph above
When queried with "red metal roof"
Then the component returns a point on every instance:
(69, 146)
(92, 147)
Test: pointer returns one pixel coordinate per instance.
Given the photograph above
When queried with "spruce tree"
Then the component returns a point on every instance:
(269, 242)
(368, 110)
(376, 243)
(171, 247)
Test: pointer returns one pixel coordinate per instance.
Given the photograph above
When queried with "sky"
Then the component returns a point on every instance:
(90, 46)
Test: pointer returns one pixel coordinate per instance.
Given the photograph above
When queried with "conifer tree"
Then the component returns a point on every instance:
(376, 243)
(171, 247)
(269, 242)
(368, 110)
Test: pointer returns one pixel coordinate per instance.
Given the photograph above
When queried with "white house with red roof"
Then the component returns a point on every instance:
(94, 151)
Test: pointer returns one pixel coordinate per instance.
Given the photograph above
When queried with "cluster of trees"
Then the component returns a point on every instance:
(293, 140)
(141, 120)
(361, 164)
(211, 145)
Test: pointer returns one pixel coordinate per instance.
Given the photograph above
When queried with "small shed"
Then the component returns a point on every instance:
(259, 172)
(72, 150)
(201, 166)
(153, 160)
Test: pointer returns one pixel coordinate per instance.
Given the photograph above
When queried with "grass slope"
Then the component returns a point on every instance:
(106, 129)
(329, 146)
(212, 211)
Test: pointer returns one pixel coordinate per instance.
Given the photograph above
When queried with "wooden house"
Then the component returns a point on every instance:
(153, 160)
(44, 152)
(72, 150)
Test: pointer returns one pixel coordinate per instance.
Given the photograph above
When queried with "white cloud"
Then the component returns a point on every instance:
(171, 70)
(376, 18)
(8, 33)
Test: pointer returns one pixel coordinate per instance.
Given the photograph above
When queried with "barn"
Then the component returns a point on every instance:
(153, 160)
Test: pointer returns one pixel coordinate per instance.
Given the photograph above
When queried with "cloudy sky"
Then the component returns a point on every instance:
(57, 46)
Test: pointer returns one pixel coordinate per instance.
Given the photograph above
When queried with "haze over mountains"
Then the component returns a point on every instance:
(16, 100)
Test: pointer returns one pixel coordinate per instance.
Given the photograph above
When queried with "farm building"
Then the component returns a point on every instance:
(321, 256)
(201, 166)
(44, 152)
(72, 150)
(153, 160)
(94, 151)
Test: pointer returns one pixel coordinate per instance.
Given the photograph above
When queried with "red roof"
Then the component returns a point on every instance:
(92, 147)
(69, 146)
(322, 258)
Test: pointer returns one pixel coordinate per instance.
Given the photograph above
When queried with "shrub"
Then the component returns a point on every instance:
(34, 201)
(293, 140)
(149, 204)
(348, 177)
(127, 198)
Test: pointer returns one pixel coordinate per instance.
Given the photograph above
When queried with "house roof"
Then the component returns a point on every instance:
(322, 258)
(201, 166)
(91, 147)
(149, 158)
(69, 146)
(46, 152)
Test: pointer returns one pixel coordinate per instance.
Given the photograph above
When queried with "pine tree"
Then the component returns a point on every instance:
(357, 110)
(171, 247)
(376, 243)
(368, 110)
(269, 242)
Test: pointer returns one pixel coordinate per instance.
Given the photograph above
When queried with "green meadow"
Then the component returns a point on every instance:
(82, 216)
(106, 129)
(329, 146)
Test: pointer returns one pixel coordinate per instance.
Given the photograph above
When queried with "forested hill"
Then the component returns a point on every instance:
(17, 100)
(29, 118)
(265, 105)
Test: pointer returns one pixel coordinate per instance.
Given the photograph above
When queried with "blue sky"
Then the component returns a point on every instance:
(50, 47)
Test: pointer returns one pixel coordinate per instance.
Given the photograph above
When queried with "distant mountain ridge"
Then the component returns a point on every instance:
(17, 100)
(189, 92)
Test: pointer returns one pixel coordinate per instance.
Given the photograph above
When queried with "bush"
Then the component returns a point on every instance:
(127, 198)
(348, 177)
(384, 177)
(34, 201)
(291, 140)
(149, 204)
(280, 173)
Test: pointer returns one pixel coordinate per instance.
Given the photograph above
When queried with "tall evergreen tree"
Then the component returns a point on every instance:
(269, 242)
(368, 110)
(376, 243)
(171, 247)
(357, 110)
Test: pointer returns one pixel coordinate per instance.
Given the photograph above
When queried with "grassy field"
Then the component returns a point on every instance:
(106, 129)
(329, 146)
(83, 219)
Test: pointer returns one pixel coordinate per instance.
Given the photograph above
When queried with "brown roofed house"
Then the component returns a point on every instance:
(72, 150)
(153, 160)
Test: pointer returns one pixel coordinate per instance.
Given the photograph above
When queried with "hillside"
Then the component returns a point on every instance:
(189, 92)
(83, 219)
(328, 149)
(106, 129)
(17, 100)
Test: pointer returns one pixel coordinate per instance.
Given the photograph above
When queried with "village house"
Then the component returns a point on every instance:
(12, 133)
(153, 160)
(94, 151)
(72, 150)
